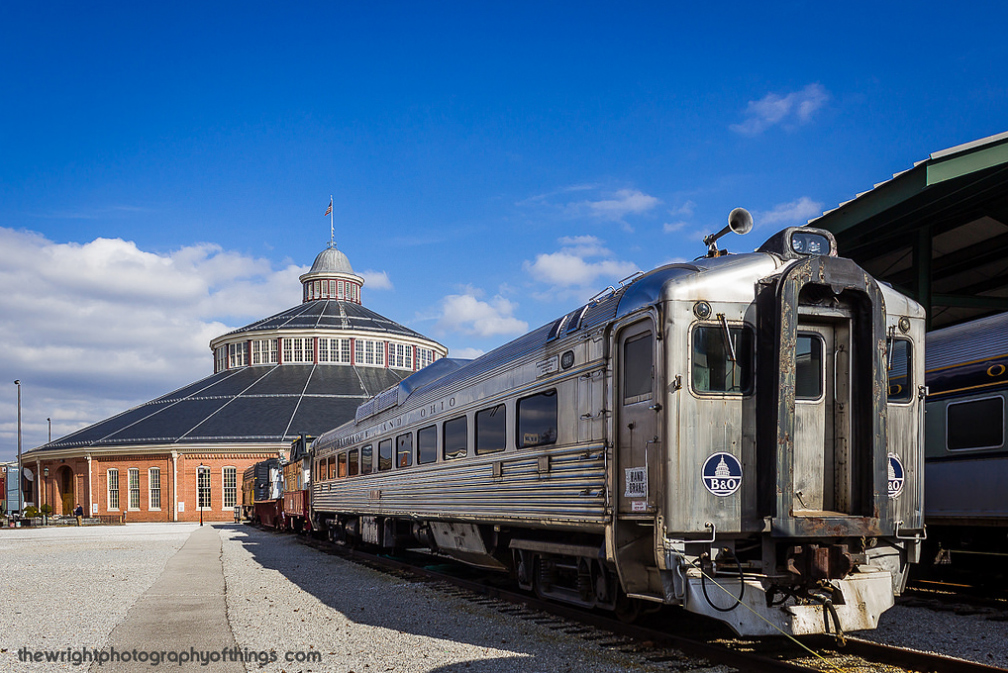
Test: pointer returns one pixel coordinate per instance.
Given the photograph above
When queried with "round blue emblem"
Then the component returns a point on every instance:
(722, 474)
(895, 470)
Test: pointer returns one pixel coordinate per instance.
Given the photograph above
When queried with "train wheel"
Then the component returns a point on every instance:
(628, 610)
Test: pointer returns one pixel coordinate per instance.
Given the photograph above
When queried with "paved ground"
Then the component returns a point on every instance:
(232, 598)
(217, 594)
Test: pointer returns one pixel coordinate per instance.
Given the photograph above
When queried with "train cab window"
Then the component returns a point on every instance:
(491, 429)
(427, 445)
(899, 359)
(808, 367)
(353, 464)
(713, 369)
(638, 369)
(367, 459)
(341, 465)
(456, 438)
(404, 450)
(537, 419)
(384, 455)
(976, 424)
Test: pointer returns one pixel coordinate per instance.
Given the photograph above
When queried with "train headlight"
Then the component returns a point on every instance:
(702, 310)
(809, 243)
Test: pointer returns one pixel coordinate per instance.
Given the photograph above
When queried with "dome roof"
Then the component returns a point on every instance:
(331, 260)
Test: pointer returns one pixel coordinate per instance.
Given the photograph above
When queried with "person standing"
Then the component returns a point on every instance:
(79, 513)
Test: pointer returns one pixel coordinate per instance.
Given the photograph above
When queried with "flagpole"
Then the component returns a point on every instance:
(332, 215)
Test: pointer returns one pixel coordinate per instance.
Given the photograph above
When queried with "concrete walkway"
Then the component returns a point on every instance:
(184, 612)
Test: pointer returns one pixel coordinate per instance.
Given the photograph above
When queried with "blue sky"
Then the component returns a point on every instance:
(164, 169)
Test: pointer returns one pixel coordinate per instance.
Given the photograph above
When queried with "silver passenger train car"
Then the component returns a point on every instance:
(966, 452)
(719, 435)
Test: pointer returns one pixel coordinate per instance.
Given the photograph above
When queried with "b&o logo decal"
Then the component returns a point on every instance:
(722, 474)
(895, 474)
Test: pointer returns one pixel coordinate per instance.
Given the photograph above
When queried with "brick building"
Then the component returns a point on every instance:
(304, 370)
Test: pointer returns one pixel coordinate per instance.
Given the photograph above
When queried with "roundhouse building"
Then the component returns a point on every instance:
(301, 371)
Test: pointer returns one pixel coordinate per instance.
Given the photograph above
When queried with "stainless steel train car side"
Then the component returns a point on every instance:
(966, 454)
(716, 435)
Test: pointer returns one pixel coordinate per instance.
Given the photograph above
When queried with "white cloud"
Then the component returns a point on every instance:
(792, 109)
(670, 227)
(94, 328)
(799, 211)
(376, 280)
(573, 267)
(620, 204)
(685, 210)
(467, 314)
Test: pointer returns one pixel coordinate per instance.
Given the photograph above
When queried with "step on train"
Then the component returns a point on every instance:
(740, 436)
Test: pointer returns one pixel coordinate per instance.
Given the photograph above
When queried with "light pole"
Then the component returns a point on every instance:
(20, 477)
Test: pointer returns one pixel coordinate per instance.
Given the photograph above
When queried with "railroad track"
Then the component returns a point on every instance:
(678, 640)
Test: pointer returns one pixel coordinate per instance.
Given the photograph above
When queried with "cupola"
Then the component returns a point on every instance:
(331, 277)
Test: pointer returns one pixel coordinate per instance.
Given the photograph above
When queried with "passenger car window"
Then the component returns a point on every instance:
(537, 419)
(977, 424)
(713, 370)
(341, 465)
(491, 429)
(900, 357)
(638, 369)
(427, 445)
(404, 450)
(808, 367)
(384, 455)
(456, 438)
(353, 464)
(366, 459)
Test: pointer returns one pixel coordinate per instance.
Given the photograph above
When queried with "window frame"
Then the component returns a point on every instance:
(154, 489)
(226, 490)
(420, 448)
(909, 374)
(476, 428)
(743, 327)
(519, 436)
(816, 336)
(112, 474)
(133, 489)
(948, 425)
(401, 452)
(644, 396)
(444, 438)
(391, 455)
(200, 489)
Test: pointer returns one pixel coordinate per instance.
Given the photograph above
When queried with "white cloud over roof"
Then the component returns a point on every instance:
(791, 109)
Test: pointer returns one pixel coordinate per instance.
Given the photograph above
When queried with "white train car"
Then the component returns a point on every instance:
(720, 435)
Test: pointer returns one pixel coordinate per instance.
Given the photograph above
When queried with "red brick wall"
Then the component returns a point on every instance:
(187, 465)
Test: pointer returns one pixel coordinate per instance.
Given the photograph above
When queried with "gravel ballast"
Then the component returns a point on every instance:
(70, 587)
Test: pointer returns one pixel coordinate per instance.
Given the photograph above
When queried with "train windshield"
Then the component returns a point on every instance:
(714, 371)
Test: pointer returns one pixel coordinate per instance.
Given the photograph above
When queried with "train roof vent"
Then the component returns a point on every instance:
(574, 323)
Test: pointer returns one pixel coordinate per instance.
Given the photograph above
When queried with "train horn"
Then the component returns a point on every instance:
(740, 221)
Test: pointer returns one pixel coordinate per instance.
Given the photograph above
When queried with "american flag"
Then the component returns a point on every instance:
(329, 209)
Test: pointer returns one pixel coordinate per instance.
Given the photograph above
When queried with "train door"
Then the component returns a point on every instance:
(820, 474)
(638, 456)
